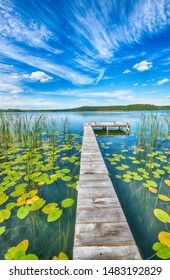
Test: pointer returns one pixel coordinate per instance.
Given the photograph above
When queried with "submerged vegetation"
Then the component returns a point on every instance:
(145, 170)
(39, 167)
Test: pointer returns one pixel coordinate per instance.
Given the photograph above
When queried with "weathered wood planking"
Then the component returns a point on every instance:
(101, 230)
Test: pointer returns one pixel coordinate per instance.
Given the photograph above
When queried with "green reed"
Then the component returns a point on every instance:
(152, 130)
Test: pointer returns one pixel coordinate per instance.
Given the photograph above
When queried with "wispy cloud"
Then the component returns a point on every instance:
(163, 81)
(143, 66)
(62, 71)
(126, 71)
(15, 28)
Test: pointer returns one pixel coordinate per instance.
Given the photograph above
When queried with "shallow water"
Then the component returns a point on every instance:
(138, 202)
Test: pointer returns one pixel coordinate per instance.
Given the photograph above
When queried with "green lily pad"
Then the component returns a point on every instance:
(142, 170)
(2, 230)
(136, 161)
(161, 215)
(127, 180)
(163, 251)
(3, 198)
(152, 183)
(138, 178)
(37, 204)
(49, 207)
(10, 205)
(125, 166)
(17, 193)
(118, 176)
(31, 257)
(66, 178)
(65, 170)
(23, 211)
(67, 202)
(121, 168)
(20, 187)
(54, 215)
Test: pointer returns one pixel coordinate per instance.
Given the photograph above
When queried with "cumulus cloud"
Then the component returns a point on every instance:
(143, 66)
(126, 71)
(38, 76)
(136, 84)
(163, 81)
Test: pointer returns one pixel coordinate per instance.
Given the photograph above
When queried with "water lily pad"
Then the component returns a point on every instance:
(138, 178)
(118, 176)
(164, 238)
(49, 207)
(37, 204)
(31, 257)
(20, 186)
(23, 212)
(54, 215)
(10, 205)
(17, 193)
(2, 230)
(53, 177)
(67, 202)
(121, 168)
(160, 171)
(163, 197)
(62, 256)
(127, 180)
(161, 215)
(167, 182)
(136, 161)
(153, 190)
(66, 170)
(41, 183)
(66, 178)
(18, 252)
(141, 170)
(125, 166)
(33, 199)
(3, 198)
(152, 183)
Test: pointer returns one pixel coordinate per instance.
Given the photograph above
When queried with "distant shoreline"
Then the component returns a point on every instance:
(117, 108)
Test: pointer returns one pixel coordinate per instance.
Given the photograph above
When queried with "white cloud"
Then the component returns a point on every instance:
(136, 84)
(100, 76)
(62, 71)
(143, 66)
(32, 33)
(38, 76)
(126, 71)
(163, 81)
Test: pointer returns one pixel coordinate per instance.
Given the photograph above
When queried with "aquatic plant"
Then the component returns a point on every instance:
(38, 171)
(143, 171)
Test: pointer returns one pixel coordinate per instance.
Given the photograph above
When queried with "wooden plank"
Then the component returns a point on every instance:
(103, 234)
(96, 192)
(94, 177)
(97, 202)
(91, 215)
(106, 253)
(96, 184)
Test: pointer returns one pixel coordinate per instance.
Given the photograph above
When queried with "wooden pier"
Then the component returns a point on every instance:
(101, 231)
(107, 125)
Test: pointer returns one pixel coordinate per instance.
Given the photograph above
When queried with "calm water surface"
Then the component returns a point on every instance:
(137, 202)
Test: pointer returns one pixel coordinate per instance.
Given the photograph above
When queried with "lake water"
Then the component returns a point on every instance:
(138, 190)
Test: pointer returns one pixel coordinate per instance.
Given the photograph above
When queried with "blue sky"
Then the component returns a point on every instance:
(63, 54)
